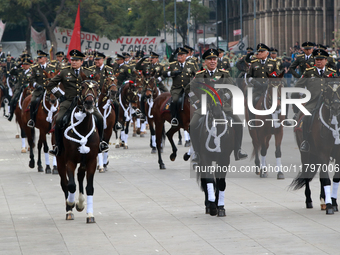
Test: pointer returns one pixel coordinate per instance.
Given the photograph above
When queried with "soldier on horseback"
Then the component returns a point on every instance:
(24, 75)
(70, 77)
(314, 79)
(39, 82)
(213, 76)
(181, 72)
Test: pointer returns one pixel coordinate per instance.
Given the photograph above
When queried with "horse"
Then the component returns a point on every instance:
(213, 143)
(106, 108)
(3, 92)
(262, 133)
(82, 130)
(48, 107)
(18, 108)
(324, 145)
(138, 124)
(129, 102)
(161, 113)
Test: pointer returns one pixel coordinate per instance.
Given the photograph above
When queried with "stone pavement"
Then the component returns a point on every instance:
(140, 209)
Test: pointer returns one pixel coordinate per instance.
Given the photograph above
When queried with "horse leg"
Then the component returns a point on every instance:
(326, 183)
(126, 136)
(278, 139)
(118, 133)
(211, 196)
(80, 205)
(309, 202)
(152, 138)
(105, 161)
(169, 134)
(135, 131)
(23, 141)
(71, 187)
(55, 168)
(91, 169)
(159, 131)
(334, 196)
(220, 184)
(100, 163)
(179, 138)
(40, 168)
(142, 128)
(187, 139)
(47, 158)
(30, 139)
(264, 147)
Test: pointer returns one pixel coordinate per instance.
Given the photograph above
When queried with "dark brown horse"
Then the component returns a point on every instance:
(47, 108)
(81, 146)
(106, 108)
(161, 113)
(129, 103)
(324, 144)
(137, 123)
(262, 129)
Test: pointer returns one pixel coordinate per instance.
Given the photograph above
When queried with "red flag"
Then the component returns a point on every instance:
(75, 39)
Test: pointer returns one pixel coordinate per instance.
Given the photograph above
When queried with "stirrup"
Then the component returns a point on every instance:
(239, 155)
(10, 117)
(174, 122)
(304, 147)
(31, 123)
(103, 147)
(55, 151)
(118, 126)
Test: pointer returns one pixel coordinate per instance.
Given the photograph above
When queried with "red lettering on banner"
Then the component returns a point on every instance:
(95, 38)
(69, 32)
(138, 40)
(153, 41)
(145, 41)
(120, 40)
(127, 40)
(88, 37)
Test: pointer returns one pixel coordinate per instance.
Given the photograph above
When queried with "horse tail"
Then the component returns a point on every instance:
(303, 178)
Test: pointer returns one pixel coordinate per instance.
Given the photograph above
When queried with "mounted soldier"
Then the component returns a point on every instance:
(314, 78)
(223, 62)
(39, 80)
(330, 60)
(242, 64)
(120, 70)
(181, 72)
(70, 78)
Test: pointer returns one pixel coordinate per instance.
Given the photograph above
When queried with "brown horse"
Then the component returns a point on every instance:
(138, 124)
(18, 108)
(3, 92)
(106, 108)
(262, 129)
(48, 107)
(129, 102)
(81, 131)
(161, 113)
(324, 144)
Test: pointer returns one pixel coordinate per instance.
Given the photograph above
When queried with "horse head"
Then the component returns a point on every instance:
(331, 97)
(88, 93)
(110, 86)
(150, 85)
(132, 94)
(139, 81)
(275, 84)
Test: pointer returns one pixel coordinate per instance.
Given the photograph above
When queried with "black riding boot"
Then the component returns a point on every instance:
(238, 128)
(103, 146)
(173, 109)
(33, 112)
(252, 115)
(12, 106)
(117, 125)
(305, 147)
(58, 137)
(142, 107)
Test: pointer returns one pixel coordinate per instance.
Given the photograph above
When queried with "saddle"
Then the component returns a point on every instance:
(166, 104)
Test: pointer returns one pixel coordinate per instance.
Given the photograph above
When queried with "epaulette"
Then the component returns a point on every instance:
(279, 58)
(52, 65)
(308, 69)
(34, 66)
(222, 70)
(191, 63)
(331, 70)
(253, 61)
(86, 68)
(108, 66)
(274, 60)
(300, 55)
(65, 67)
(200, 71)
(172, 63)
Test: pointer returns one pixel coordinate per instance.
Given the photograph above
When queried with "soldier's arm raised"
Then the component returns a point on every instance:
(53, 85)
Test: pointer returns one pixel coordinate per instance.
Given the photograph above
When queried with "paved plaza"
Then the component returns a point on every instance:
(140, 209)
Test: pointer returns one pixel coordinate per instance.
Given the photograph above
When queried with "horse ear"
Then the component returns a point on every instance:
(83, 76)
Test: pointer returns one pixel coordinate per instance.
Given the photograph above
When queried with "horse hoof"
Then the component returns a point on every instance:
(79, 209)
(48, 169)
(213, 209)
(134, 134)
(162, 150)
(17, 136)
(126, 147)
(90, 220)
(179, 142)
(329, 209)
(187, 144)
(101, 170)
(280, 176)
(323, 207)
(335, 205)
(40, 169)
(153, 150)
(138, 131)
(31, 164)
(309, 205)
(28, 149)
(263, 174)
(257, 172)
(173, 156)
(142, 135)
(207, 210)
(23, 150)
(69, 216)
(117, 146)
(221, 212)
(162, 166)
(121, 144)
(55, 170)
(186, 156)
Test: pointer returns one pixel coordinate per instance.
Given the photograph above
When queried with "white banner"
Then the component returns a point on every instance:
(241, 46)
(103, 44)
(2, 29)
(38, 41)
